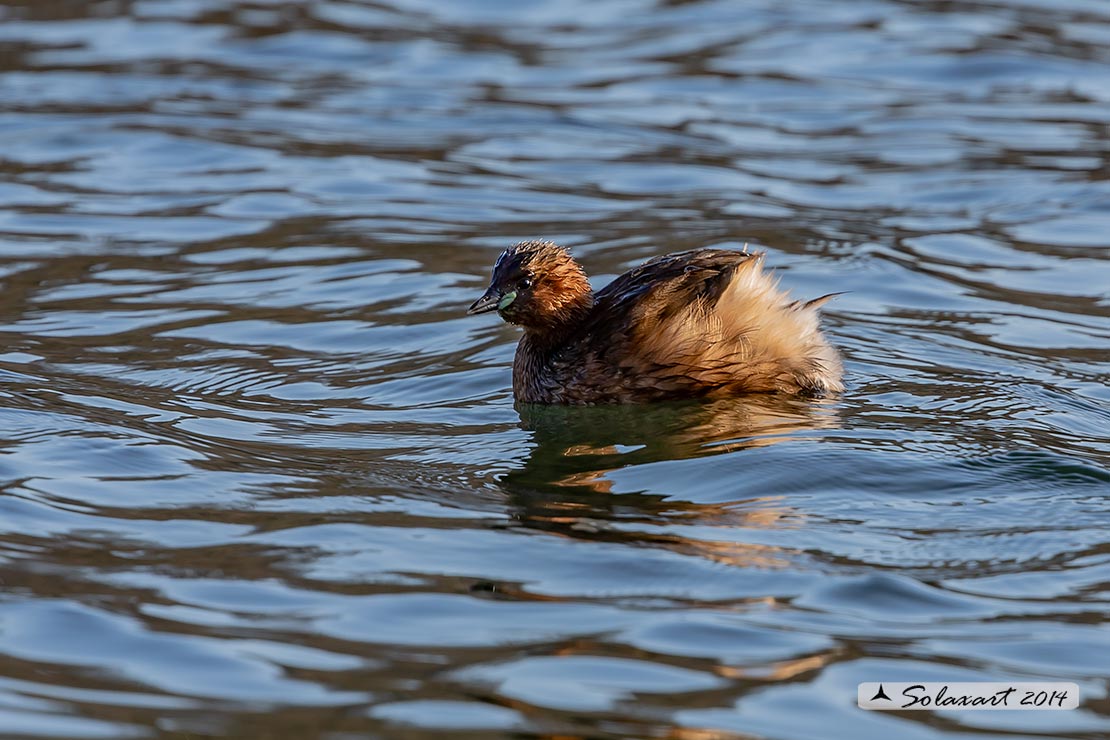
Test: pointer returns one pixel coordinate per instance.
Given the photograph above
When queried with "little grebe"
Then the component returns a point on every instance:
(707, 322)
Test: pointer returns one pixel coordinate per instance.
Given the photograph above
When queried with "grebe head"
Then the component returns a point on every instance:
(538, 286)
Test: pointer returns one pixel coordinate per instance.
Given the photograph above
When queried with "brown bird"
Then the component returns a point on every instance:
(708, 322)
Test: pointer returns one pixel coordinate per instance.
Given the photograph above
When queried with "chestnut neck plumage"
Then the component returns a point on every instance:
(553, 328)
(562, 300)
(561, 303)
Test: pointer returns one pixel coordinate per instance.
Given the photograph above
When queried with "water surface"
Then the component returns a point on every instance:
(262, 477)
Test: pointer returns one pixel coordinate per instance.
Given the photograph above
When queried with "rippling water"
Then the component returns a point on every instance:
(262, 477)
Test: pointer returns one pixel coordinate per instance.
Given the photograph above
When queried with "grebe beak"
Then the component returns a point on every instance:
(488, 302)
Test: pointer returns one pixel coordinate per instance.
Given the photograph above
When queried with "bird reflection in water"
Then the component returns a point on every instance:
(566, 486)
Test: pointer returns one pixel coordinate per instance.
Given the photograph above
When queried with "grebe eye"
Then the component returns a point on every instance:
(526, 283)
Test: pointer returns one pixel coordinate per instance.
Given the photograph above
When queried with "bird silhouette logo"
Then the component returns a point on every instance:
(880, 694)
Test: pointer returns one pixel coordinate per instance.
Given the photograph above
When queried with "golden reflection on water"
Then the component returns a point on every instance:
(566, 484)
(566, 439)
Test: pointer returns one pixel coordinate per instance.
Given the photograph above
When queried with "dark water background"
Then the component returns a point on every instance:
(262, 478)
